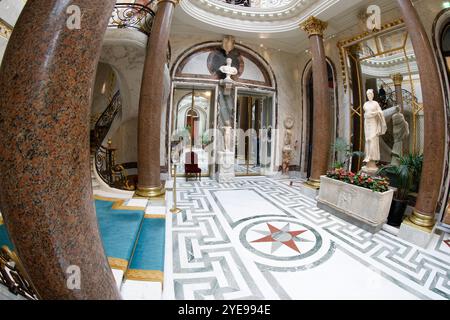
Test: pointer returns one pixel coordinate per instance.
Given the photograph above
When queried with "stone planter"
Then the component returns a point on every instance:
(363, 207)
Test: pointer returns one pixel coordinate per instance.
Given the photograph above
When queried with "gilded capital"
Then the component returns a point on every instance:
(314, 26)
(397, 78)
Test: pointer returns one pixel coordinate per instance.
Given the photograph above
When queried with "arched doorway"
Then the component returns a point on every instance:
(248, 107)
(308, 114)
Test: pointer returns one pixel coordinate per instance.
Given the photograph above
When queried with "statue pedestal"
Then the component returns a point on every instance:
(371, 168)
(227, 85)
(226, 166)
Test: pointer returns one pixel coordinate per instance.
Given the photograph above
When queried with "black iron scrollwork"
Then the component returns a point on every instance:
(12, 275)
(134, 16)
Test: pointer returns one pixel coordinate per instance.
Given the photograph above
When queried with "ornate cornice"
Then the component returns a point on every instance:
(314, 27)
(221, 15)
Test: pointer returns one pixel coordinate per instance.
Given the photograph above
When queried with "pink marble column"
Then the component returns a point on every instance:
(434, 115)
(46, 81)
(151, 102)
(322, 111)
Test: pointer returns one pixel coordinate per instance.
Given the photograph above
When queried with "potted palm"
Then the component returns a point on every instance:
(345, 154)
(406, 174)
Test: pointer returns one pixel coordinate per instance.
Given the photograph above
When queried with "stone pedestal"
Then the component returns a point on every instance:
(226, 167)
(371, 168)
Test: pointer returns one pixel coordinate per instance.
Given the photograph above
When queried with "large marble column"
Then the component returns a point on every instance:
(322, 111)
(151, 102)
(46, 81)
(434, 115)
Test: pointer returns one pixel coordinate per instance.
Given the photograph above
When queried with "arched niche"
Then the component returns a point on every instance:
(204, 61)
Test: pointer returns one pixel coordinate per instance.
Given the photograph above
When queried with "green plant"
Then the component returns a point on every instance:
(345, 154)
(407, 173)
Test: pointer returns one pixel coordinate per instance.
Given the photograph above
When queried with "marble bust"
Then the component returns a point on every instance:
(227, 136)
(374, 127)
(229, 70)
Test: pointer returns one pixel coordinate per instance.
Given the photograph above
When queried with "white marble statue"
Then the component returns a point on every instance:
(401, 132)
(229, 70)
(288, 150)
(227, 136)
(374, 127)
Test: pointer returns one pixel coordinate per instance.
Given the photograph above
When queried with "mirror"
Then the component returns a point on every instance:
(192, 120)
(385, 62)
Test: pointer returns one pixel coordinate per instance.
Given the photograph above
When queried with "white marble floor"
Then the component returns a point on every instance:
(259, 238)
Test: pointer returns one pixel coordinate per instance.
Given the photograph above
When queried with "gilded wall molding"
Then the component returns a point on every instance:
(343, 44)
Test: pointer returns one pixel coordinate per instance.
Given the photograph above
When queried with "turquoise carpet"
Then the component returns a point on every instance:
(149, 254)
(4, 238)
(126, 235)
(118, 228)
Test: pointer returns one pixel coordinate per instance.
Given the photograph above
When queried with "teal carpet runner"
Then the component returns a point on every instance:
(133, 242)
(4, 238)
(148, 260)
(119, 230)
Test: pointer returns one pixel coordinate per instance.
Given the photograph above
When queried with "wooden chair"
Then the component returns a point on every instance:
(191, 166)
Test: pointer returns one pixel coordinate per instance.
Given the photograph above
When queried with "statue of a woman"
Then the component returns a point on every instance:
(374, 126)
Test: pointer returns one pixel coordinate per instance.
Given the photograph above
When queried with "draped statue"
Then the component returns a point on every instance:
(374, 127)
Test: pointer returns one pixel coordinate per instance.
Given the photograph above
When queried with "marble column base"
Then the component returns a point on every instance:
(226, 167)
(420, 236)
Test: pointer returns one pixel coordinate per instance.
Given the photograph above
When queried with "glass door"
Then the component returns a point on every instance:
(192, 119)
(253, 135)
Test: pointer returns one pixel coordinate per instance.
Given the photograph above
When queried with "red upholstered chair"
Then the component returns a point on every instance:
(191, 166)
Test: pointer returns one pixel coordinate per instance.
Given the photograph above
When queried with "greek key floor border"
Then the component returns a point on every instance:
(206, 265)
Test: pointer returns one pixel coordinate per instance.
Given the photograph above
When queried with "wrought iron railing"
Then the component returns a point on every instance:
(114, 175)
(13, 276)
(134, 16)
(105, 121)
